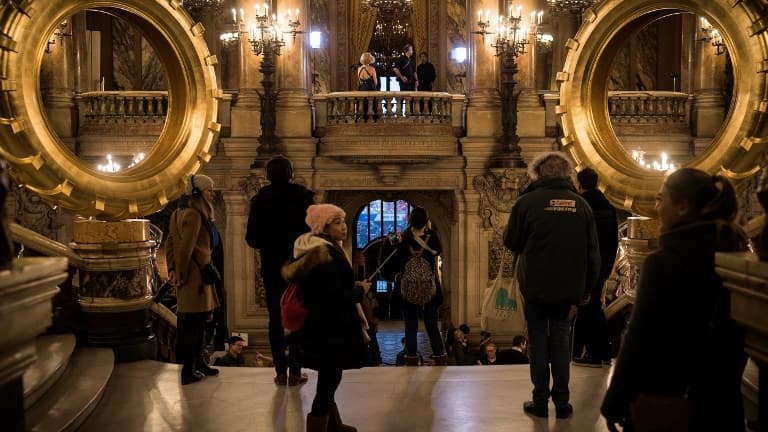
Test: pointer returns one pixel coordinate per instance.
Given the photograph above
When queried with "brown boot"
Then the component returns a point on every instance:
(441, 360)
(411, 360)
(317, 423)
(334, 421)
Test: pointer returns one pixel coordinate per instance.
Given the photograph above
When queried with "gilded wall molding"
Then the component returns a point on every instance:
(498, 191)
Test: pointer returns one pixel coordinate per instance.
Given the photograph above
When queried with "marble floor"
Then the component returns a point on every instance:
(147, 396)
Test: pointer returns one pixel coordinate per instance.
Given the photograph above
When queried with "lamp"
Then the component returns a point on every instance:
(460, 56)
(712, 35)
(266, 38)
(511, 36)
(196, 7)
(664, 165)
(575, 7)
(388, 6)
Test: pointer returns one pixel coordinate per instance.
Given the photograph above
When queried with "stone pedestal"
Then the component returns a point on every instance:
(25, 311)
(531, 114)
(115, 287)
(641, 240)
(747, 280)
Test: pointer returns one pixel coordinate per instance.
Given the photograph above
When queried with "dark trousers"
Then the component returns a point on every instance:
(275, 287)
(328, 381)
(591, 330)
(217, 329)
(189, 341)
(374, 351)
(411, 318)
(549, 341)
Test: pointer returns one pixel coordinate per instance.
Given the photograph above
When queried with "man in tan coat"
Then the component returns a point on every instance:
(188, 253)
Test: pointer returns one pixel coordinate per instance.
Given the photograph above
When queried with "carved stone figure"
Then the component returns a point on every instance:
(762, 196)
(6, 246)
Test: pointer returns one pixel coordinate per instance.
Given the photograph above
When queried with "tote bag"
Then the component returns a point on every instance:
(502, 300)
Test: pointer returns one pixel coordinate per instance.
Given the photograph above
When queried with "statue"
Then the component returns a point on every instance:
(762, 196)
(6, 246)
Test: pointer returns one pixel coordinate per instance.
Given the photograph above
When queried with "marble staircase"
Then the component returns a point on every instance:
(64, 384)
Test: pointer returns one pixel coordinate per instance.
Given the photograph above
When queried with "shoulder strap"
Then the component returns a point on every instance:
(424, 245)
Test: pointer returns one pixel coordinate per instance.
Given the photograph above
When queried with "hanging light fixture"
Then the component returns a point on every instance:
(575, 7)
(388, 6)
(202, 6)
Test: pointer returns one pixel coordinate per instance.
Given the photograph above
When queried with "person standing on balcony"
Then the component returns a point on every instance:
(275, 220)
(367, 80)
(190, 268)
(425, 72)
(405, 70)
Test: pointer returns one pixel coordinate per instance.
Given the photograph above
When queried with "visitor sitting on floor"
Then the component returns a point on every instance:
(234, 355)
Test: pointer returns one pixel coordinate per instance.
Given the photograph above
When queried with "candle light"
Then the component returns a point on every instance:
(519, 12)
(540, 17)
(242, 14)
(234, 15)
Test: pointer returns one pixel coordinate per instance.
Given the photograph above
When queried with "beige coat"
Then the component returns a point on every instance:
(188, 248)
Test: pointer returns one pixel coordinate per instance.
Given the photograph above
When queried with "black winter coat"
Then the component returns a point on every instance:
(332, 337)
(681, 339)
(552, 229)
(275, 220)
(607, 230)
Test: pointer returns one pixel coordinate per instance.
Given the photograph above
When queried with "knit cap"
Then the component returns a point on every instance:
(319, 215)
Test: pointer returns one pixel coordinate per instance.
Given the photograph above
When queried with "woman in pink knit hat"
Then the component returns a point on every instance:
(332, 338)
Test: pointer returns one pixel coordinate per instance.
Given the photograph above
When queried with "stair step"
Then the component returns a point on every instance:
(53, 353)
(69, 402)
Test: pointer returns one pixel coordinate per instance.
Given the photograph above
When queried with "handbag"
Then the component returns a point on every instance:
(502, 300)
(658, 413)
(292, 309)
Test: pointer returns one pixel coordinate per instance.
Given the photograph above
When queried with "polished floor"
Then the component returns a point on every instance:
(147, 396)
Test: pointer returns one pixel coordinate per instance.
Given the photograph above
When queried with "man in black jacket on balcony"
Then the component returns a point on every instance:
(275, 220)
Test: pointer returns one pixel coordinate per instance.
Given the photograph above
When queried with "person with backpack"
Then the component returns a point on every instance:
(188, 252)
(332, 336)
(418, 285)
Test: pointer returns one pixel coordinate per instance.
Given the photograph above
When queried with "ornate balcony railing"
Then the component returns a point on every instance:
(100, 110)
(388, 110)
(648, 107)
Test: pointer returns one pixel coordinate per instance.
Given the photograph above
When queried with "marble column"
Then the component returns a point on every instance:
(708, 102)
(239, 268)
(57, 83)
(246, 109)
(484, 108)
(688, 47)
(566, 26)
(294, 112)
(529, 106)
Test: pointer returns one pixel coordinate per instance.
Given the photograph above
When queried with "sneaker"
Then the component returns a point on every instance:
(281, 379)
(587, 362)
(564, 412)
(295, 380)
(539, 411)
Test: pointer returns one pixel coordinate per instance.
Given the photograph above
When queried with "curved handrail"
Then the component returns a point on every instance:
(44, 245)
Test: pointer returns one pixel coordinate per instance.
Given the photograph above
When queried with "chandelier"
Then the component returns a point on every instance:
(198, 6)
(664, 165)
(388, 6)
(571, 6)
(712, 35)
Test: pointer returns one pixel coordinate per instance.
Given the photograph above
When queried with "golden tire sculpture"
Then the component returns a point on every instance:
(738, 149)
(37, 156)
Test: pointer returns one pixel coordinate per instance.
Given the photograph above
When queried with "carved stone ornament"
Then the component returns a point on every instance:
(498, 192)
(6, 247)
(252, 184)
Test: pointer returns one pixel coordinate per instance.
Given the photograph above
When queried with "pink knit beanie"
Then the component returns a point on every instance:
(319, 215)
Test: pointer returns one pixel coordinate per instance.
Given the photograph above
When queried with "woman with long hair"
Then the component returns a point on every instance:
(332, 336)
(682, 351)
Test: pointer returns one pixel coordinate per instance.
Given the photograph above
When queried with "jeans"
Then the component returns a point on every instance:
(275, 287)
(549, 344)
(411, 318)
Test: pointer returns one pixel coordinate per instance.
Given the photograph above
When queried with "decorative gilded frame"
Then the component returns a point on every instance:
(736, 152)
(37, 156)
